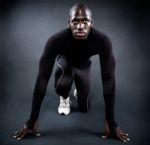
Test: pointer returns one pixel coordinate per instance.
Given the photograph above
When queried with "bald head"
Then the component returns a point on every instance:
(80, 10)
(80, 21)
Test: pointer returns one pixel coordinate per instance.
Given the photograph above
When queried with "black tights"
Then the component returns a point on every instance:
(65, 75)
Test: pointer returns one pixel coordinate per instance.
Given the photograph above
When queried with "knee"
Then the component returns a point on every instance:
(84, 110)
(84, 104)
(62, 88)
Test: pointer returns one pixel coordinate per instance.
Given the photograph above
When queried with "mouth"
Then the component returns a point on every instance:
(80, 34)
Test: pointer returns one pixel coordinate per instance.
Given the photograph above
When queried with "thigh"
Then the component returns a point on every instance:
(82, 78)
(63, 73)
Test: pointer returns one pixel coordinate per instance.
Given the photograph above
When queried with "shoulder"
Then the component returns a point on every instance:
(99, 36)
(100, 40)
(52, 46)
(58, 37)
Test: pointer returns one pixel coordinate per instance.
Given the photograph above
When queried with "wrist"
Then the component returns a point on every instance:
(30, 125)
(112, 125)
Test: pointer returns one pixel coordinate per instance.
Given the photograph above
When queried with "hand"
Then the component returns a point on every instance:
(118, 134)
(24, 132)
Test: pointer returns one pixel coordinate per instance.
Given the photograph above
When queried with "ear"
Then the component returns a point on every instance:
(68, 24)
(91, 23)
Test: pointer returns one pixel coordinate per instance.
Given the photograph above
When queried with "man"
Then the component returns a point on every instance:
(72, 49)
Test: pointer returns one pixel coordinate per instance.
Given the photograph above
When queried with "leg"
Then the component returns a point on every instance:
(82, 78)
(63, 83)
(63, 78)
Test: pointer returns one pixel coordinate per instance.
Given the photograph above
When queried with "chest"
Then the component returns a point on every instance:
(78, 50)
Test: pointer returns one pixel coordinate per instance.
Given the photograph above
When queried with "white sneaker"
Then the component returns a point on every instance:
(75, 93)
(64, 106)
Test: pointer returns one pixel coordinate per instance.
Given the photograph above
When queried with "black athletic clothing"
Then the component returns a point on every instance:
(65, 75)
(77, 53)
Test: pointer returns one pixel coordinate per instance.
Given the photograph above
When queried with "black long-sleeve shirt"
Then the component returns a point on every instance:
(78, 53)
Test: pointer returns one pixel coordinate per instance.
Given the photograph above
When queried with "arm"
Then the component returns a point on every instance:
(107, 63)
(45, 69)
(46, 64)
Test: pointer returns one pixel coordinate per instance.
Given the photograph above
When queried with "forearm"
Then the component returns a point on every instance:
(107, 62)
(109, 98)
(44, 73)
(38, 96)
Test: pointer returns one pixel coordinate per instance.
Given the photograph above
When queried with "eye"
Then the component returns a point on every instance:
(75, 21)
(85, 21)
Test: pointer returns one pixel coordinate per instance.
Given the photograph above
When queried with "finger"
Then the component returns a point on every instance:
(121, 138)
(18, 132)
(125, 137)
(23, 135)
(35, 126)
(17, 136)
(106, 126)
(35, 133)
(125, 134)
(105, 136)
(38, 134)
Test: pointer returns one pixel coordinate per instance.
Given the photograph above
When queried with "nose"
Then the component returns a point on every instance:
(80, 25)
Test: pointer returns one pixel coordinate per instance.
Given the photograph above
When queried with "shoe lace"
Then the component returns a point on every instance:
(65, 102)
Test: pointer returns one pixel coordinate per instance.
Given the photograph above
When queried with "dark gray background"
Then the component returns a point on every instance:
(24, 28)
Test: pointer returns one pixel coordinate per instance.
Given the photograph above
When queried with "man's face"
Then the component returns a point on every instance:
(80, 23)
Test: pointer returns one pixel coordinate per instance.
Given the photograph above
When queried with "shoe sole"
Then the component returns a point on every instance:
(63, 114)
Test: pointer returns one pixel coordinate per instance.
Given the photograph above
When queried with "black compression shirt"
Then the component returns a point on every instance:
(78, 53)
